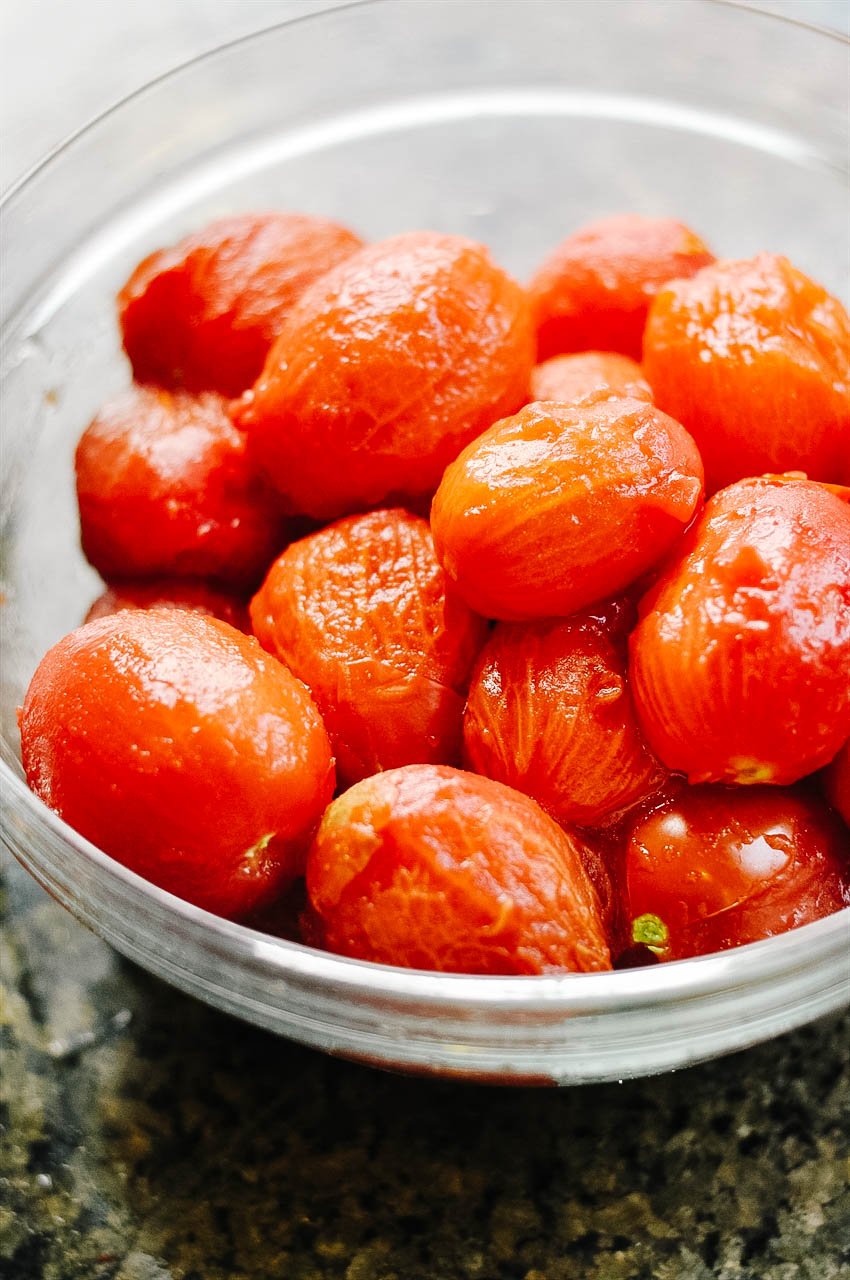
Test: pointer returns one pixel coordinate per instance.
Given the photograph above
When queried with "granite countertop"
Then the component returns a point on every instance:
(146, 1137)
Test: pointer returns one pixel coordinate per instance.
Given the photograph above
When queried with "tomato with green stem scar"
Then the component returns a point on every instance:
(717, 867)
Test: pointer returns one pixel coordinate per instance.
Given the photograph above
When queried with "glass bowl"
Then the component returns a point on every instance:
(510, 122)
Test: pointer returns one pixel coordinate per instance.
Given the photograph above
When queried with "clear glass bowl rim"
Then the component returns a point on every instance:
(754, 965)
(44, 161)
(742, 966)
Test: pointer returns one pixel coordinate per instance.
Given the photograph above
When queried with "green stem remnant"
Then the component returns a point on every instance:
(650, 931)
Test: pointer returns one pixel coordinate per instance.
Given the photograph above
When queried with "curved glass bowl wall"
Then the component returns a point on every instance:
(509, 122)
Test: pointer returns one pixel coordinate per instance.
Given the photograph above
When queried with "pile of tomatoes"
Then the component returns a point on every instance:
(424, 594)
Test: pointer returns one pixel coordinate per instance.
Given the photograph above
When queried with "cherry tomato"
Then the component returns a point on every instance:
(740, 664)
(203, 314)
(362, 613)
(384, 370)
(838, 782)
(549, 712)
(184, 751)
(430, 867)
(718, 867)
(166, 488)
(571, 377)
(753, 358)
(563, 505)
(594, 289)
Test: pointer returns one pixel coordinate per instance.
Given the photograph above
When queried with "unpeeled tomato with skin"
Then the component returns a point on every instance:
(717, 867)
(563, 505)
(740, 663)
(433, 868)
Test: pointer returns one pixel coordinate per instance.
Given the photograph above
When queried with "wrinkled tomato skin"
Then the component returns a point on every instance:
(572, 377)
(563, 505)
(838, 783)
(753, 358)
(203, 314)
(385, 369)
(172, 742)
(740, 663)
(594, 289)
(720, 867)
(362, 612)
(165, 488)
(549, 712)
(429, 867)
(172, 593)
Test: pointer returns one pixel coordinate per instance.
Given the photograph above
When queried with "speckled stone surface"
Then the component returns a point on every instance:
(173, 1143)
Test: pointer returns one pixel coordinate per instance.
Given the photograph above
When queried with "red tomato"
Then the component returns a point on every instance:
(549, 712)
(172, 593)
(753, 358)
(178, 746)
(572, 377)
(841, 491)
(594, 289)
(718, 867)
(433, 868)
(165, 487)
(362, 613)
(384, 370)
(740, 664)
(203, 314)
(563, 505)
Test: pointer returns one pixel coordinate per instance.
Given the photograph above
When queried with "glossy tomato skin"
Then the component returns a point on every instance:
(753, 358)
(550, 713)
(563, 505)
(203, 313)
(594, 289)
(362, 612)
(172, 742)
(740, 661)
(607, 839)
(433, 868)
(719, 867)
(172, 593)
(166, 488)
(572, 377)
(385, 370)
(838, 783)
(841, 491)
